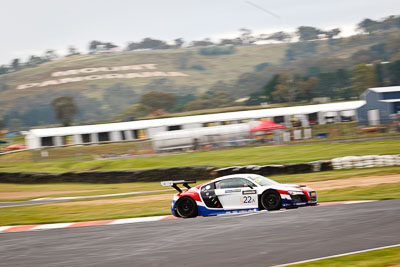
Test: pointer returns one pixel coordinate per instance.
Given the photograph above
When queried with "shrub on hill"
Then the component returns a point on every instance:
(215, 51)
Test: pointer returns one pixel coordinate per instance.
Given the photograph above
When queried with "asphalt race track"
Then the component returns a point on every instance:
(253, 239)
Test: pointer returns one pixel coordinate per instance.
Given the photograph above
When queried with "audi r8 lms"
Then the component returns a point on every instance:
(237, 193)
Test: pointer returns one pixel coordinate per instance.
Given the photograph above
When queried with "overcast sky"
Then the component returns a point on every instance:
(29, 27)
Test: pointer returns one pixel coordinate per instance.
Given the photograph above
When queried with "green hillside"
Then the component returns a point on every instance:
(222, 67)
(103, 99)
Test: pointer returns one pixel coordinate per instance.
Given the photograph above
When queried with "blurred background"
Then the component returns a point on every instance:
(101, 100)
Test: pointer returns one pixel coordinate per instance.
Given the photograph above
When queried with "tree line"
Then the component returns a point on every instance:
(341, 84)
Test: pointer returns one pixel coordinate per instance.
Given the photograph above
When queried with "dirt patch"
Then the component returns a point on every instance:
(19, 195)
(138, 199)
(355, 181)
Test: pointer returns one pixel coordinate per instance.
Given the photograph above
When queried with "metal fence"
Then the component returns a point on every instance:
(355, 129)
(94, 151)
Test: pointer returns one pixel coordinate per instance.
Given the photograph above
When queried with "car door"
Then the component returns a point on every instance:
(236, 193)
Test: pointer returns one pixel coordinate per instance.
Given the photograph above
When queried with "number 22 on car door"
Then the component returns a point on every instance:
(249, 198)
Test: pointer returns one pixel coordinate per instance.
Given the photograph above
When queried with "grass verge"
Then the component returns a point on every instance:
(56, 213)
(376, 192)
(377, 258)
(18, 192)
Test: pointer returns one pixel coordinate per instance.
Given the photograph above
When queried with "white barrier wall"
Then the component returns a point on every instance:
(286, 136)
(370, 161)
(307, 133)
(297, 134)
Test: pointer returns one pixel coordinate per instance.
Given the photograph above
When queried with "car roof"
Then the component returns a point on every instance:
(239, 175)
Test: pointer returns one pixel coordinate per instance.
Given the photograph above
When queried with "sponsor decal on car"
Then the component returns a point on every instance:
(232, 190)
(249, 192)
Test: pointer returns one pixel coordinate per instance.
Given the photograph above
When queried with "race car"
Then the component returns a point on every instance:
(237, 193)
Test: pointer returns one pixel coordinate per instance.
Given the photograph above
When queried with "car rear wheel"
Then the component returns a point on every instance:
(186, 207)
(271, 200)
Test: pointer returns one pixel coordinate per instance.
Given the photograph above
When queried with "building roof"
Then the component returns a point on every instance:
(385, 89)
(391, 100)
(216, 117)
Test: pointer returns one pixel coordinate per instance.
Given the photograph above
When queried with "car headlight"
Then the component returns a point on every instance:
(294, 193)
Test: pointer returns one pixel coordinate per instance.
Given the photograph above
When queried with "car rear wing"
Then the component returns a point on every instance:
(174, 184)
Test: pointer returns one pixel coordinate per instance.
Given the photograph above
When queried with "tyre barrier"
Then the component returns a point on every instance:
(152, 175)
(267, 170)
(370, 161)
(349, 162)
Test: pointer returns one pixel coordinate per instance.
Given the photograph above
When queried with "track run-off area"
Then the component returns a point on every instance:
(251, 239)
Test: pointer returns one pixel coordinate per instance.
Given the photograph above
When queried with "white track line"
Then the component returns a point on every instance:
(338, 255)
(250, 214)
(52, 226)
(277, 211)
(57, 199)
(359, 201)
(42, 198)
(101, 196)
(2, 228)
(136, 220)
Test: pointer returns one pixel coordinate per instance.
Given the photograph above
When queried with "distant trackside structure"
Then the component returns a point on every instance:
(382, 105)
(146, 129)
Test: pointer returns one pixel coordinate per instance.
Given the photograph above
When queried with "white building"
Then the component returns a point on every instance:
(135, 130)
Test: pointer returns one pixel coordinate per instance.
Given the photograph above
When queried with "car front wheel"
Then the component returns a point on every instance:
(271, 200)
(186, 207)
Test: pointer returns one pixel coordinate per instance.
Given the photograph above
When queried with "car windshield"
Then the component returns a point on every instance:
(261, 180)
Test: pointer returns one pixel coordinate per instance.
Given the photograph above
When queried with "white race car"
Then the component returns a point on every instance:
(237, 193)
